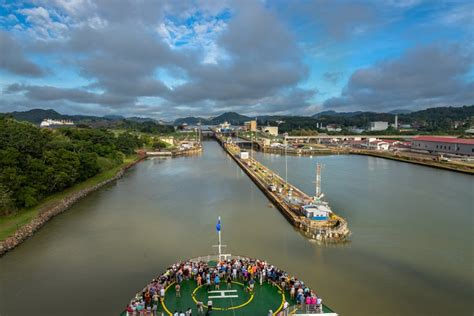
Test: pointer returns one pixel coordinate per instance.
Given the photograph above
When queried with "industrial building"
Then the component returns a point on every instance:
(272, 130)
(378, 126)
(251, 126)
(447, 145)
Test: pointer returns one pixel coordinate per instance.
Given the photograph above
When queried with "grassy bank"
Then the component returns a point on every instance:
(9, 224)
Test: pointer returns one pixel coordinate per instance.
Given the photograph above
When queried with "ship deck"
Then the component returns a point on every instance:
(235, 299)
(229, 301)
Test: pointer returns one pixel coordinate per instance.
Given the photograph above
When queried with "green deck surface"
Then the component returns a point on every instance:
(263, 299)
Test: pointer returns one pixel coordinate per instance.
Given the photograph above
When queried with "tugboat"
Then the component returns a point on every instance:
(224, 284)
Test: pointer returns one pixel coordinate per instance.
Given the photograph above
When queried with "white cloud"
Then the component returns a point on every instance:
(201, 35)
(459, 15)
(45, 25)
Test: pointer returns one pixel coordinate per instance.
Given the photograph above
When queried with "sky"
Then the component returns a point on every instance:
(169, 59)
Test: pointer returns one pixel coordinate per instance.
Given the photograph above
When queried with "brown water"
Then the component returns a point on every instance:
(411, 251)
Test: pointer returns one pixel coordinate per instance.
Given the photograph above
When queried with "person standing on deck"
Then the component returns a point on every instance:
(292, 292)
(319, 304)
(208, 282)
(200, 308)
(286, 307)
(217, 280)
(229, 282)
(178, 290)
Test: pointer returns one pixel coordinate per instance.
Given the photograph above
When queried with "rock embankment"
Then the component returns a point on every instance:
(45, 215)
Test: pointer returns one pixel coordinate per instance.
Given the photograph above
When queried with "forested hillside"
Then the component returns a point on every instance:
(35, 163)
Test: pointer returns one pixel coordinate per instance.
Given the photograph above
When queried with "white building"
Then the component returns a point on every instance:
(378, 126)
(272, 130)
(333, 128)
(51, 123)
(316, 212)
(449, 145)
(378, 145)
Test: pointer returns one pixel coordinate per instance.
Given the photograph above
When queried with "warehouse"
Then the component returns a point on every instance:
(447, 145)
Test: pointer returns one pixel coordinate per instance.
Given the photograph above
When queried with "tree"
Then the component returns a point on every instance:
(6, 201)
(159, 144)
(127, 142)
(35, 163)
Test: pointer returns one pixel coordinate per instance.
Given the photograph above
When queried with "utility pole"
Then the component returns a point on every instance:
(251, 145)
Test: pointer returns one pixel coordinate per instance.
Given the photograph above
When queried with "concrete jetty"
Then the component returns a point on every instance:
(283, 195)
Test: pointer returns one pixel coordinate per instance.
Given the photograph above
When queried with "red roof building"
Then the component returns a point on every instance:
(447, 139)
(437, 144)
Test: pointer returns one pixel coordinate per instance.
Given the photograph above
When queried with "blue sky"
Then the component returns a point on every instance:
(168, 59)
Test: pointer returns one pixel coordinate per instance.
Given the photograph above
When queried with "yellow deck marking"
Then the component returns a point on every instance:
(226, 308)
(163, 300)
(223, 308)
(282, 300)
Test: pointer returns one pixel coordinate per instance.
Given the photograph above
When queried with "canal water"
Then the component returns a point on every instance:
(411, 252)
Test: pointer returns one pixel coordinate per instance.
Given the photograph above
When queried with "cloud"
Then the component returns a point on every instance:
(264, 59)
(423, 76)
(404, 3)
(14, 61)
(207, 56)
(332, 76)
(122, 60)
(43, 24)
(330, 19)
(48, 93)
(459, 15)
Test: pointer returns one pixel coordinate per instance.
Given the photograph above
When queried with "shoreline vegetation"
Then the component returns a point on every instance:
(43, 171)
(18, 227)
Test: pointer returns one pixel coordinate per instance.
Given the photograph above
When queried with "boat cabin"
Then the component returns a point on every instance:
(244, 155)
(316, 212)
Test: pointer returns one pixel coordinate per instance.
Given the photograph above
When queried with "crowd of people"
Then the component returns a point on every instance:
(249, 271)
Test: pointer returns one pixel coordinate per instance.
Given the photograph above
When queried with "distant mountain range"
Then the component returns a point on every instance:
(432, 119)
(37, 115)
(231, 117)
(439, 116)
(238, 119)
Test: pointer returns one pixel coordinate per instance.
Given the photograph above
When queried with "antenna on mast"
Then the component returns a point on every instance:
(318, 180)
(318, 192)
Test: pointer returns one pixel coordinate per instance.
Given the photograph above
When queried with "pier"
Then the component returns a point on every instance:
(175, 152)
(287, 198)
